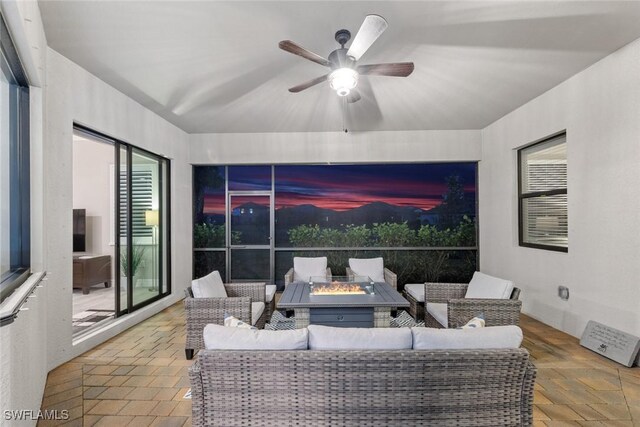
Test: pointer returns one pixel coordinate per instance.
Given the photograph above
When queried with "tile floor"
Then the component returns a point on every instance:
(139, 378)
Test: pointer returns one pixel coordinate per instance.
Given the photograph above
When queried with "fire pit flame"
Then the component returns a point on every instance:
(338, 288)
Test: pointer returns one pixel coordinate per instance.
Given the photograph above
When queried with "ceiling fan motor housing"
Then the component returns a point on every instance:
(339, 59)
(342, 37)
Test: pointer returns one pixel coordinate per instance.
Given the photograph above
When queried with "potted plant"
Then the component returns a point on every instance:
(137, 255)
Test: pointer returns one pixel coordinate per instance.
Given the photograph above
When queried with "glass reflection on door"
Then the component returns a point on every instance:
(123, 232)
(145, 216)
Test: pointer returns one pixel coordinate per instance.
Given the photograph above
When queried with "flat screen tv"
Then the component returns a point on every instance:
(79, 230)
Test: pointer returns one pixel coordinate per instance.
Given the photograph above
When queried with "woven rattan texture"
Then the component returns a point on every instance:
(362, 388)
(459, 309)
(202, 311)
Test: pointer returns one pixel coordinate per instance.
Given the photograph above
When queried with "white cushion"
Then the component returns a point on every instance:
(334, 338)
(218, 337)
(450, 339)
(372, 267)
(303, 268)
(257, 308)
(439, 312)
(485, 286)
(209, 286)
(271, 292)
(416, 290)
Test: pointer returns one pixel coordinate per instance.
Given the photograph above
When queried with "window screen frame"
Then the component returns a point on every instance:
(19, 176)
(523, 196)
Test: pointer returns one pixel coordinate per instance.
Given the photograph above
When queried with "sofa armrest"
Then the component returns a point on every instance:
(391, 278)
(443, 292)
(329, 275)
(203, 311)
(256, 291)
(288, 278)
(527, 393)
(197, 397)
(497, 312)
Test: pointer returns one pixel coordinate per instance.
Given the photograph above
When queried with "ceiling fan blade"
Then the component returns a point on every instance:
(296, 49)
(354, 96)
(307, 85)
(397, 69)
(372, 27)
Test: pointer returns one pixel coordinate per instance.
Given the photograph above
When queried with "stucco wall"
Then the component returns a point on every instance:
(74, 95)
(23, 357)
(335, 147)
(600, 110)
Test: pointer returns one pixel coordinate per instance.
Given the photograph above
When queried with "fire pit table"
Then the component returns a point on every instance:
(353, 301)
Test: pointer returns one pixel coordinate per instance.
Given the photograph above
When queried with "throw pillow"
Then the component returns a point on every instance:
(234, 322)
(476, 322)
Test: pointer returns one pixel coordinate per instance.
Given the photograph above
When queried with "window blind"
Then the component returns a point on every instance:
(543, 194)
(141, 201)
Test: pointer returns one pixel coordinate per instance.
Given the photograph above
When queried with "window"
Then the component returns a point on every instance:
(543, 194)
(14, 168)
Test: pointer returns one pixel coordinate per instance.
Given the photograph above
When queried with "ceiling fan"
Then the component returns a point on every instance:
(344, 77)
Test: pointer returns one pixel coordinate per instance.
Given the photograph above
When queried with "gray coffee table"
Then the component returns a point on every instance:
(365, 310)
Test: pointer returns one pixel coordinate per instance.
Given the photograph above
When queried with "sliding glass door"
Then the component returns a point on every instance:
(143, 227)
(139, 216)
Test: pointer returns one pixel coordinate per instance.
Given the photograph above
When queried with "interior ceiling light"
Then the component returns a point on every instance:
(343, 62)
(343, 80)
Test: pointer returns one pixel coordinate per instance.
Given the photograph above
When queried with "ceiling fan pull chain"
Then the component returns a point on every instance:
(344, 114)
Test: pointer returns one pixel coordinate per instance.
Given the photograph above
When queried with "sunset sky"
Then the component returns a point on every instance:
(344, 187)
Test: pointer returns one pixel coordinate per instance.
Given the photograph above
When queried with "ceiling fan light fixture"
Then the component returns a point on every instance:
(343, 80)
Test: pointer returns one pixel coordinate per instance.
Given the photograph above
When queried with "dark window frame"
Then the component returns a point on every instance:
(19, 172)
(523, 196)
(164, 263)
(276, 249)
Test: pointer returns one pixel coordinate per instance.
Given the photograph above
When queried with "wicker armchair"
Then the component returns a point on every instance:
(496, 312)
(202, 311)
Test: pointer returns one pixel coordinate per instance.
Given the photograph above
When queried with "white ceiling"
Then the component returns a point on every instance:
(215, 66)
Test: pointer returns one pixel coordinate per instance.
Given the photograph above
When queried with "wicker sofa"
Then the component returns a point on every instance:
(474, 387)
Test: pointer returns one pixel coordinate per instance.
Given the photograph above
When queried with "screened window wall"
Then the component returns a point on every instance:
(250, 221)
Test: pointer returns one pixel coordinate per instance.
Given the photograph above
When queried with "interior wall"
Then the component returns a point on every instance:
(23, 343)
(92, 182)
(74, 95)
(335, 147)
(600, 110)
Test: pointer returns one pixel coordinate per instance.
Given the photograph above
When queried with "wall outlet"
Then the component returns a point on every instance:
(563, 293)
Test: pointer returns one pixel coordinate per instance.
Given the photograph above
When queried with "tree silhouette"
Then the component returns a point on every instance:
(453, 203)
(204, 177)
